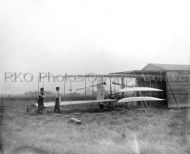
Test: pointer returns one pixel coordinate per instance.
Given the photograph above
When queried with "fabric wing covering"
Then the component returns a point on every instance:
(136, 99)
(50, 104)
(129, 89)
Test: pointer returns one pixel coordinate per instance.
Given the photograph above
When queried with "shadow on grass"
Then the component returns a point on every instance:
(70, 109)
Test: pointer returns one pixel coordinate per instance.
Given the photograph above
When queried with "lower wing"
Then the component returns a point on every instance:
(136, 99)
(50, 104)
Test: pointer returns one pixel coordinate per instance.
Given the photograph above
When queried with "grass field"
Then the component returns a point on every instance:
(116, 131)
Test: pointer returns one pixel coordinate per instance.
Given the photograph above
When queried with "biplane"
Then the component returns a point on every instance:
(113, 98)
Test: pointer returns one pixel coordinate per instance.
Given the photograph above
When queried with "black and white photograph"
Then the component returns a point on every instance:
(95, 77)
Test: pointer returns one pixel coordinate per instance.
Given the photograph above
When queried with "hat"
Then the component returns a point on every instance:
(41, 89)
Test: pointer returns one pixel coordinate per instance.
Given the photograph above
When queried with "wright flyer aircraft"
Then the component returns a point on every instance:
(114, 97)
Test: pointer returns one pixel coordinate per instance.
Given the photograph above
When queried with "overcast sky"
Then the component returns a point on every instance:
(100, 36)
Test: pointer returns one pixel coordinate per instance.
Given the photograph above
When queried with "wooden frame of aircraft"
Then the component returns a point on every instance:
(100, 94)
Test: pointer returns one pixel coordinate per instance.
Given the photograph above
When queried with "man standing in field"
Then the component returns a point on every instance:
(57, 101)
(41, 101)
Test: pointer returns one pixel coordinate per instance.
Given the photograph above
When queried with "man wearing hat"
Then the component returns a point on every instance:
(41, 100)
(57, 101)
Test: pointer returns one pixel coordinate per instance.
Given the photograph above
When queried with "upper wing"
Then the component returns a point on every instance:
(129, 89)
